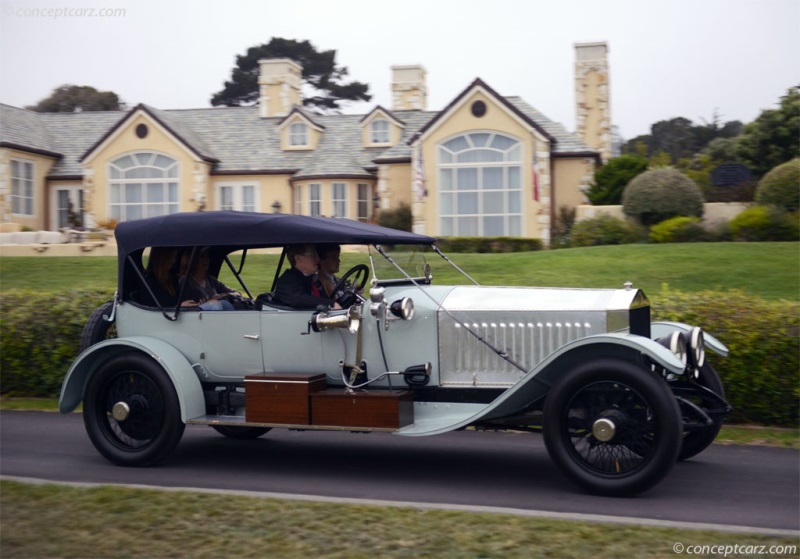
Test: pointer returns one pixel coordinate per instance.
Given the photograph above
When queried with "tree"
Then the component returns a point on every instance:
(320, 72)
(612, 178)
(78, 98)
(772, 138)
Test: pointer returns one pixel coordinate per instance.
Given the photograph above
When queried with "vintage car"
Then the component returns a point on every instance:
(617, 398)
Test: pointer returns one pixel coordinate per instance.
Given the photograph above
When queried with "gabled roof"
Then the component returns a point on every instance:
(502, 101)
(308, 117)
(386, 112)
(175, 127)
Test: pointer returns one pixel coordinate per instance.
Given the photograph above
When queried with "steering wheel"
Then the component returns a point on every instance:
(360, 273)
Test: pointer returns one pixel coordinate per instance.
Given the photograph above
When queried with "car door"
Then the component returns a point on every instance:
(231, 343)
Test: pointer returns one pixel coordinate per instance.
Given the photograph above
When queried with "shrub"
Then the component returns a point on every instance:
(605, 230)
(488, 244)
(760, 373)
(399, 218)
(781, 187)
(678, 230)
(661, 194)
(40, 338)
(611, 179)
(765, 223)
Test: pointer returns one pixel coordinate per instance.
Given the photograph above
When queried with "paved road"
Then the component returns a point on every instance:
(725, 485)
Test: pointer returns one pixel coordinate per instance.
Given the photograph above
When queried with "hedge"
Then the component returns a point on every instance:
(488, 244)
(40, 336)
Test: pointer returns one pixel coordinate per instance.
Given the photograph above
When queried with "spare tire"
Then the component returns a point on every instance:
(97, 327)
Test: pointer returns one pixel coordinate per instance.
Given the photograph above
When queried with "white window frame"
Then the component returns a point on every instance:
(363, 202)
(237, 190)
(339, 199)
(379, 134)
(74, 194)
(298, 200)
(315, 199)
(508, 160)
(170, 179)
(23, 187)
(298, 134)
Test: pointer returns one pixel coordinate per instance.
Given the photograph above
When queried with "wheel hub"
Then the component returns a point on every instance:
(604, 429)
(120, 411)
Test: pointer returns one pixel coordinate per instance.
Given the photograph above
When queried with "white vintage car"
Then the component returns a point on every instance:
(618, 399)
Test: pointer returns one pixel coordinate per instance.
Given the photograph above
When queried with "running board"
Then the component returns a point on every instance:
(239, 421)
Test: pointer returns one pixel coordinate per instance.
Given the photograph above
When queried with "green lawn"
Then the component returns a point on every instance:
(120, 522)
(769, 270)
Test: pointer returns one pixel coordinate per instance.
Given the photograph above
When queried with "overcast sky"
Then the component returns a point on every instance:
(669, 58)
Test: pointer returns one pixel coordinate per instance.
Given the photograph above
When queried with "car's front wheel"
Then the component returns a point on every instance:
(612, 428)
(695, 442)
(131, 411)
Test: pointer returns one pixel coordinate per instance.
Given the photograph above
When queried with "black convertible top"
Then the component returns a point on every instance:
(253, 230)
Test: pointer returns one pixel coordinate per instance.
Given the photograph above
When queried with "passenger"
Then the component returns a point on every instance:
(296, 287)
(202, 289)
(161, 277)
(329, 258)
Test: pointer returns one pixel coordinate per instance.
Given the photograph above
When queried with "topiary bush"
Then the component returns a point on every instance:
(660, 194)
(605, 230)
(760, 373)
(678, 230)
(400, 218)
(781, 187)
(765, 223)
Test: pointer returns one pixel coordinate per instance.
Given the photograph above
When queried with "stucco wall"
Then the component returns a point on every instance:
(41, 167)
(714, 213)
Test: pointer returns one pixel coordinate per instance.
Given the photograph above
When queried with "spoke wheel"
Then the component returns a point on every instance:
(98, 328)
(612, 427)
(131, 411)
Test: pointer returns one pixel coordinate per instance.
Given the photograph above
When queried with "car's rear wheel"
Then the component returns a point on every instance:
(612, 427)
(131, 411)
(97, 328)
(695, 442)
(241, 433)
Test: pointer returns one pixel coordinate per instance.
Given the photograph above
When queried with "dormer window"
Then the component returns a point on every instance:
(298, 134)
(379, 129)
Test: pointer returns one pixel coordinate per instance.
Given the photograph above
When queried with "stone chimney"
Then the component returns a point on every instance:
(279, 82)
(593, 107)
(409, 92)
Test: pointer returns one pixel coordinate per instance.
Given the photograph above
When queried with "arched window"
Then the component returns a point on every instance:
(143, 184)
(480, 186)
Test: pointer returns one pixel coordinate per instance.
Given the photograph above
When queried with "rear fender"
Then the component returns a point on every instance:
(664, 328)
(180, 371)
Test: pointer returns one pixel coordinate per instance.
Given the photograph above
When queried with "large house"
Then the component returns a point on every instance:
(484, 165)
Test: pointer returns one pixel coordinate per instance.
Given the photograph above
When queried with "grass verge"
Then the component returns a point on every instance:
(114, 522)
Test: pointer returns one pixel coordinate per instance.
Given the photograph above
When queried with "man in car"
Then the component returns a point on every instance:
(296, 287)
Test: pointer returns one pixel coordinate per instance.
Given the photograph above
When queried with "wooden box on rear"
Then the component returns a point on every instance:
(280, 398)
(383, 409)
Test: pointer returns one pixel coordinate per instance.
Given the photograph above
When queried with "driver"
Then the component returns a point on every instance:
(296, 286)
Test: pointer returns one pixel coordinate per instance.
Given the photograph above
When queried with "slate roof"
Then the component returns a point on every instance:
(237, 140)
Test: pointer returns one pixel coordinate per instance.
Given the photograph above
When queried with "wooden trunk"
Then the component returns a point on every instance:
(281, 398)
(386, 409)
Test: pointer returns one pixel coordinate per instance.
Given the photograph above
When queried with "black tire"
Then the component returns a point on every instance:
(695, 442)
(98, 328)
(240, 433)
(645, 427)
(153, 426)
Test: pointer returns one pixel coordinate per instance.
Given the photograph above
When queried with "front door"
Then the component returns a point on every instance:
(66, 207)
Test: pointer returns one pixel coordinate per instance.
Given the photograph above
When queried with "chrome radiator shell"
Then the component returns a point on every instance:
(527, 324)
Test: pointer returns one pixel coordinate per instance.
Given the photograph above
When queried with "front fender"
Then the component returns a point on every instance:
(664, 328)
(537, 382)
(180, 371)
